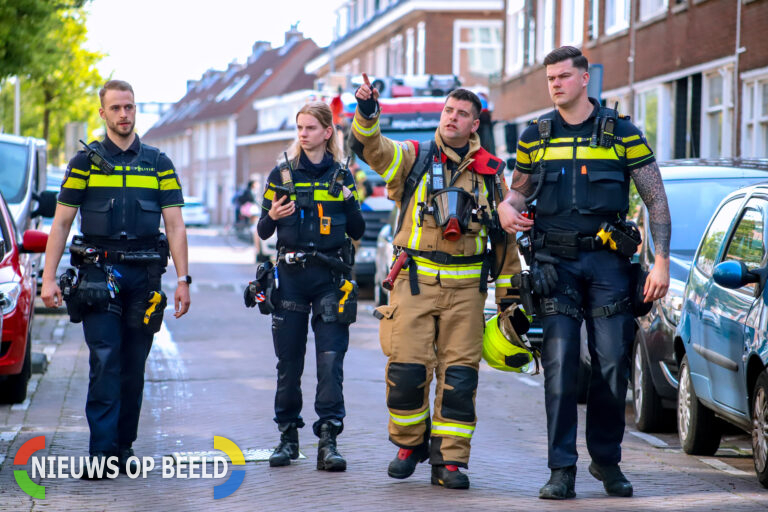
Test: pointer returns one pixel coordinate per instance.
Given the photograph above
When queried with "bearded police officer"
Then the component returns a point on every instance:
(447, 190)
(577, 161)
(121, 187)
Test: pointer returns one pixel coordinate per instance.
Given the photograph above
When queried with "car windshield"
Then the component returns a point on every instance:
(692, 203)
(13, 171)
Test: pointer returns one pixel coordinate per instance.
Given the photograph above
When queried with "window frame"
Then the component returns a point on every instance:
(754, 126)
(737, 200)
(458, 45)
(614, 26)
(725, 108)
(573, 11)
(545, 28)
(757, 204)
(645, 15)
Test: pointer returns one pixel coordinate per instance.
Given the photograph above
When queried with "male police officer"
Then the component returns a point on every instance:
(582, 156)
(447, 191)
(121, 186)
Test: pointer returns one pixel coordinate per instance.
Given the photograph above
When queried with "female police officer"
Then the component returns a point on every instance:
(312, 202)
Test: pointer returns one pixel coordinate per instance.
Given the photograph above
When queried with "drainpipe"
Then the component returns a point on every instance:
(735, 147)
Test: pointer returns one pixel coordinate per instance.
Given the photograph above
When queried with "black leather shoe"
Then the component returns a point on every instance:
(614, 481)
(561, 484)
(123, 455)
(328, 456)
(406, 461)
(449, 477)
(96, 476)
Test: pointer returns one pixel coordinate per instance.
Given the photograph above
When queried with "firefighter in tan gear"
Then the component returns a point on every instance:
(446, 191)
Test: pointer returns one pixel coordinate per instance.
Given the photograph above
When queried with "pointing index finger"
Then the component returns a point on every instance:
(366, 81)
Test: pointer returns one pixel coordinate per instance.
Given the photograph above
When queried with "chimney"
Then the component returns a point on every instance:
(259, 47)
(294, 33)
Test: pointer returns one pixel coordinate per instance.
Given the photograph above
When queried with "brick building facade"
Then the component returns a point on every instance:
(692, 73)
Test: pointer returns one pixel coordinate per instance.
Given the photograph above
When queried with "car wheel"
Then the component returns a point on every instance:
(697, 426)
(14, 389)
(649, 413)
(760, 428)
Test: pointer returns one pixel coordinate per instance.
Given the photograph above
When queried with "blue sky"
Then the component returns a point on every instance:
(157, 45)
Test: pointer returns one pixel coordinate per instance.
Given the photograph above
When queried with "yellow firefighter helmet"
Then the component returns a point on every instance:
(504, 354)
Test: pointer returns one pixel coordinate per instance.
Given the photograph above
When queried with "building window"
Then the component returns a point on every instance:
(381, 61)
(616, 16)
(647, 115)
(755, 140)
(515, 35)
(421, 48)
(716, 114)
(545, 34)
(652, 8)
(594, 19)
(476, 50)
(409, 51)
(571, 22)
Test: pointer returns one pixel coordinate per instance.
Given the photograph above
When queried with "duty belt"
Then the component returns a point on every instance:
(566, 244)
(302, 256)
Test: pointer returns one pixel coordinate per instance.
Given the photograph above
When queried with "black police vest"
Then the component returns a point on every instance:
(302, 230)
(125, 203)
(577, 177)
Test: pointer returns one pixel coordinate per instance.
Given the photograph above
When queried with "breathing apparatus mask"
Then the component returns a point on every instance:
(452, 208)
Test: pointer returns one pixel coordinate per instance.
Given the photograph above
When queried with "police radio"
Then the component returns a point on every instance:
(97, 159)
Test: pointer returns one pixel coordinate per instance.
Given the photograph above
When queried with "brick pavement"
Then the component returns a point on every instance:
(217, 378)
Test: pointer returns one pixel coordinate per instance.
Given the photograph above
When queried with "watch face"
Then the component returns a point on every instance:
(189, 279)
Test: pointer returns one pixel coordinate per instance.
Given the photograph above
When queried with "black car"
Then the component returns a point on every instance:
(694, 190)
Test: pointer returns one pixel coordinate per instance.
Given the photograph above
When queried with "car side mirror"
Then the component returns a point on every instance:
(34, 241)
(46, 204)
(735, 274)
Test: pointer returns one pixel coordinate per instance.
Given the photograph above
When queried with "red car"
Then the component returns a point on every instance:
(17, 294)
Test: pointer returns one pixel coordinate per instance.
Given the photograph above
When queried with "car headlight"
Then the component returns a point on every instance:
(365, 255)
(10, 296)
(672, 302)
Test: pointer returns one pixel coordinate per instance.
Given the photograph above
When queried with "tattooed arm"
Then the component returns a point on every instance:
(651, 189)
(509, 210)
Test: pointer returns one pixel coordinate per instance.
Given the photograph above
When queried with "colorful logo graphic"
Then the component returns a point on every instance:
(21, 459)
(235, 479)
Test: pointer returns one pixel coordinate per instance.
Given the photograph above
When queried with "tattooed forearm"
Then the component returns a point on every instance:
(651, 189)
(520, 188)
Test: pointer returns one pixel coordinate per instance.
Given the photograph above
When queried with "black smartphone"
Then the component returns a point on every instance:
(280, 192)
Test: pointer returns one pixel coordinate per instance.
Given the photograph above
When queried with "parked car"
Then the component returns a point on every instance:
(376, 210)
(721, 343)
(694, 189)
(195, 213)
(17, 293)
(53, 184)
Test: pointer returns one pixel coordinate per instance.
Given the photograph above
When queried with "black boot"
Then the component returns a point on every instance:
(288, 448)
(561, 485)
(328, 457)
(405, 463)
(449, 477)
(122, 460)
(614, 481)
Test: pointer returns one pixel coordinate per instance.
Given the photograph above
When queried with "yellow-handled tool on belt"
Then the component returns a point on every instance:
(606, 237)
(154, 300)
(346, 287)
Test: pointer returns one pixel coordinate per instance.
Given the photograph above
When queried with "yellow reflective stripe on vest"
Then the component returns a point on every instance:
(169, 184)
(324, 195)
(558, 153)
(74, 183)
(78, 171)
(101, 180)
(141, 182)
(165, 173)
(429, 268)
(396, 158)
(598, 153)
(504, 281)
(452, 429)
(411, 419)
(362, 130)
(419, 196)
(529, 145)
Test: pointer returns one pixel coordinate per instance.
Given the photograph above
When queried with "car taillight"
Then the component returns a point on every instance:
(9, 296)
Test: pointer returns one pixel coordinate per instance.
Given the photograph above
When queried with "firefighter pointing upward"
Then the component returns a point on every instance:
(447, 190)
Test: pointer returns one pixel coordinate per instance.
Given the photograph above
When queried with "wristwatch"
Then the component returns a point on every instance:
(185, 279)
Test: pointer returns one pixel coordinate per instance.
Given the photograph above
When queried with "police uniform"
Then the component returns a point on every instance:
(434, 322)
(318, 229)
(120, 214)
(583, 187)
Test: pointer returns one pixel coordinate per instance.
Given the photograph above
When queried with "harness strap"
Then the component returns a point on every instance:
(621, 306)
(443, 258)
(290, 305)
(554, 307)
(413, 276)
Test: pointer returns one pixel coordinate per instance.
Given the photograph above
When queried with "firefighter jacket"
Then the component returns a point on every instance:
(394, 161)
(321, 220)
(127, 203)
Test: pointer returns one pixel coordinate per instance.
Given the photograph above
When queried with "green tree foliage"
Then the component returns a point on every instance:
(24, 29)
(59, 87)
